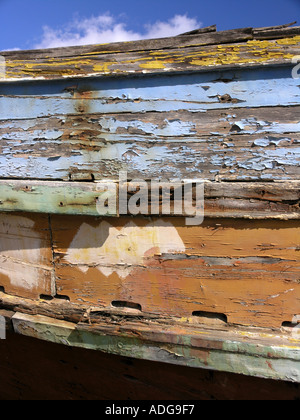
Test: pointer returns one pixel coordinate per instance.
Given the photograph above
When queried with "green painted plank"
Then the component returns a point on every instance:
(253, 354)
(55, 197)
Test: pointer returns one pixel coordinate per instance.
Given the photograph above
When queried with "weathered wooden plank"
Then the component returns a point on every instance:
(189, 52)
(158, 162)
(247, 270)
(194, 92)
(272, 28)
(212, 28)
(252, 200)
(153, 127)
(275, 32)
(26, 267)
(277, 357)
(277, 200)
(57, 307)
(235, 35)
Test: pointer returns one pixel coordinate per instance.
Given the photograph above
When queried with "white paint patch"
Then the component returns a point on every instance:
(20, 252)
(120, 250)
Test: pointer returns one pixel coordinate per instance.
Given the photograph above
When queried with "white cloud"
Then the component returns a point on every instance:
(175, 26)
(11, 49)
(106, 28)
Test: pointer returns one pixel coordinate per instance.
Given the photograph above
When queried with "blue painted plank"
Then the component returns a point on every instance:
(194, 92)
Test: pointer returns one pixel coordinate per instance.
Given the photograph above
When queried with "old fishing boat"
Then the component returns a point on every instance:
(94, 267)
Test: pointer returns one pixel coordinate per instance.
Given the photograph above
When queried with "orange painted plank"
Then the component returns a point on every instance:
(247, 270)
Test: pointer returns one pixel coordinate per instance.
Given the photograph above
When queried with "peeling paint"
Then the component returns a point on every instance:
(151, 126)
(121, 250)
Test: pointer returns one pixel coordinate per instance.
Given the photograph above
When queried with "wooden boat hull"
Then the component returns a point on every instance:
(79, 129)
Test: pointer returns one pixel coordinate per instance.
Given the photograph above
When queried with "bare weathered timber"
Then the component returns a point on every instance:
(226, 49)
(26, 256)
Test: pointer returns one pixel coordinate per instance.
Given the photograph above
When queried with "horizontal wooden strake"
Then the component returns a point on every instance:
(238, 47)
(240, 125)
(247, 270)
(244, 271)
(237, 351)
(277, 200)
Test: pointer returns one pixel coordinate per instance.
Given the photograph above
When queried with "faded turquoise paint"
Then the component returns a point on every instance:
(50, 131)
(200, 92)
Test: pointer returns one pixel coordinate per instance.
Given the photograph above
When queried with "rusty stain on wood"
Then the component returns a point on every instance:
(167, 134)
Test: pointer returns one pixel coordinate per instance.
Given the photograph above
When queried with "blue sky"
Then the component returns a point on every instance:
(29, 24)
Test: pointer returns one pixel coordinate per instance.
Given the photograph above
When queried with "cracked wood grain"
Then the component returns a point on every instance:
(246, 200)
(227, 49)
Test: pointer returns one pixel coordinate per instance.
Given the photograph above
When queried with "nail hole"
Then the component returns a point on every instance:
(210, 316)
(295, 322)
(124, 304)
(62, 297)
(49, 298)
(46, 297)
